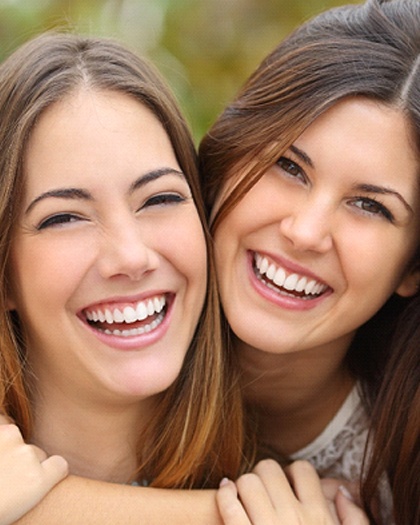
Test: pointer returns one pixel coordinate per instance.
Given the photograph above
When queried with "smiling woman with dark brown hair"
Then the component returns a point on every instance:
(311, 181)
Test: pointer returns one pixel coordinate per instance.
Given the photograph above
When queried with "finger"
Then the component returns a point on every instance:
(306, 484)
(329, 488)
(255, 498)
(276, 483)
(39, 453)
(230, 508)
(347, 510)
(55, 469)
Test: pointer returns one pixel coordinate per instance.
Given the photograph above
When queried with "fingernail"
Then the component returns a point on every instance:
(223, 482)
(344, 490)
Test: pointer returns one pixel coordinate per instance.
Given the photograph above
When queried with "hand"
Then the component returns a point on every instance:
(269, 497)
(26, 474)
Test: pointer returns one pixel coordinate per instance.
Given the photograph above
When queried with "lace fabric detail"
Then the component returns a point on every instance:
(338, 451)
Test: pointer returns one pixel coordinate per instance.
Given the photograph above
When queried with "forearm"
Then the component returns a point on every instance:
(80, 501)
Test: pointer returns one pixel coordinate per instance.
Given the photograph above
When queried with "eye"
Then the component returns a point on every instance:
(373, 207)
(163, 199)
(291, 168)
(57, 220)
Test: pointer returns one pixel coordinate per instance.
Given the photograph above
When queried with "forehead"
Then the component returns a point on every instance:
(365, 137)
(95, 132)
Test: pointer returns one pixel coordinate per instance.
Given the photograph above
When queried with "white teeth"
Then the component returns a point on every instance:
(309, 287)
(118, 316)
(129, 314)
(263, 266)
(108, 317)
(136, 331)
(150, 308)
(141, 311)
(271, 272)
(292, 282)
(301, 284)
(279, 277)
(157, 304)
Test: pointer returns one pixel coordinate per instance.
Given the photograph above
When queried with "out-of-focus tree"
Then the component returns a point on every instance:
(205, 48)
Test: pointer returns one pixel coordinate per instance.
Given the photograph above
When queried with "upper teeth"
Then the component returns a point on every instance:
(291, 282)
(128, 314)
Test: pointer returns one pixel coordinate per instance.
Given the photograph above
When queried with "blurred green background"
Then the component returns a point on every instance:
(204, 48)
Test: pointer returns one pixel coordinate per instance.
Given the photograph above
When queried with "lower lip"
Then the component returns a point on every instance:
(283, 301)
(135, 342)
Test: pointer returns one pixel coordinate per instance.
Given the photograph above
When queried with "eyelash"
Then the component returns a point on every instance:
(60, 219)
(57, 220)
(163, 199)
(380, 208)
(292, 169)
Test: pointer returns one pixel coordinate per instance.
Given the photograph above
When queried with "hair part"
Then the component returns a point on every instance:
(370, 50)
(196, 437)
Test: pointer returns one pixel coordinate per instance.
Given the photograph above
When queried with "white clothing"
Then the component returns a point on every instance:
(338, 451)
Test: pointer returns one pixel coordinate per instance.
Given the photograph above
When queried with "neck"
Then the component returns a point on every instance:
(98, 442)
(294, 396)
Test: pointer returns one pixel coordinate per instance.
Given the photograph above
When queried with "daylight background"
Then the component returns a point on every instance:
(204, 48)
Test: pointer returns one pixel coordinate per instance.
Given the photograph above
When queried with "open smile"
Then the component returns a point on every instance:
(285, 283)
(128, 320)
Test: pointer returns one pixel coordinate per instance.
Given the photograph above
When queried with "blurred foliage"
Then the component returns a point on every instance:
(204, 48)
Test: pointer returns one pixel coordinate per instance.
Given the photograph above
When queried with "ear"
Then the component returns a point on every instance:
(409, 284)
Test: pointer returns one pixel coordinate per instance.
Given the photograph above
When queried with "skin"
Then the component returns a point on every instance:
(107, 222)
(29, 473)
(270, 495)
(340, 208)
(272, 483)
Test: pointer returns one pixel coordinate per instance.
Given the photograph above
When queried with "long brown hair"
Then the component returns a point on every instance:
(197, 433)
(395, 432)
(370, 50)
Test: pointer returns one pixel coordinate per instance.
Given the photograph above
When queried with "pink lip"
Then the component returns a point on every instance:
(137, 342)
(287, 302)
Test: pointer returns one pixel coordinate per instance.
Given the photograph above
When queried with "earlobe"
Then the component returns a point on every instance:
(409, 285)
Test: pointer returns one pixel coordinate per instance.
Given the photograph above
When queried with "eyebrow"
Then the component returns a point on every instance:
(81, 194)
(302, 155)
(368, 188)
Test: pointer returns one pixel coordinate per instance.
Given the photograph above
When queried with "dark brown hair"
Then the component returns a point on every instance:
(370, 50)
(197, 434)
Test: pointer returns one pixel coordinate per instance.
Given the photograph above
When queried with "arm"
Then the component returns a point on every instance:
(268, 496)
(80, 501)
(26, 474)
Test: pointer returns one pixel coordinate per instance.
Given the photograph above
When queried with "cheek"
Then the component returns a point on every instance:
(375, 261)
(185, 248)
(45, 275)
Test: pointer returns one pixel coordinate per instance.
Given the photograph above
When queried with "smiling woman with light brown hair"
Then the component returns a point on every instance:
(104, 272)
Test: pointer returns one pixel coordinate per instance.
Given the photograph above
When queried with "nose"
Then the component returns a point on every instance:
(309, 227)
(127, 251)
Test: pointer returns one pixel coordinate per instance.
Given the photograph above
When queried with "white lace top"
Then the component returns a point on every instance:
(338, 451)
